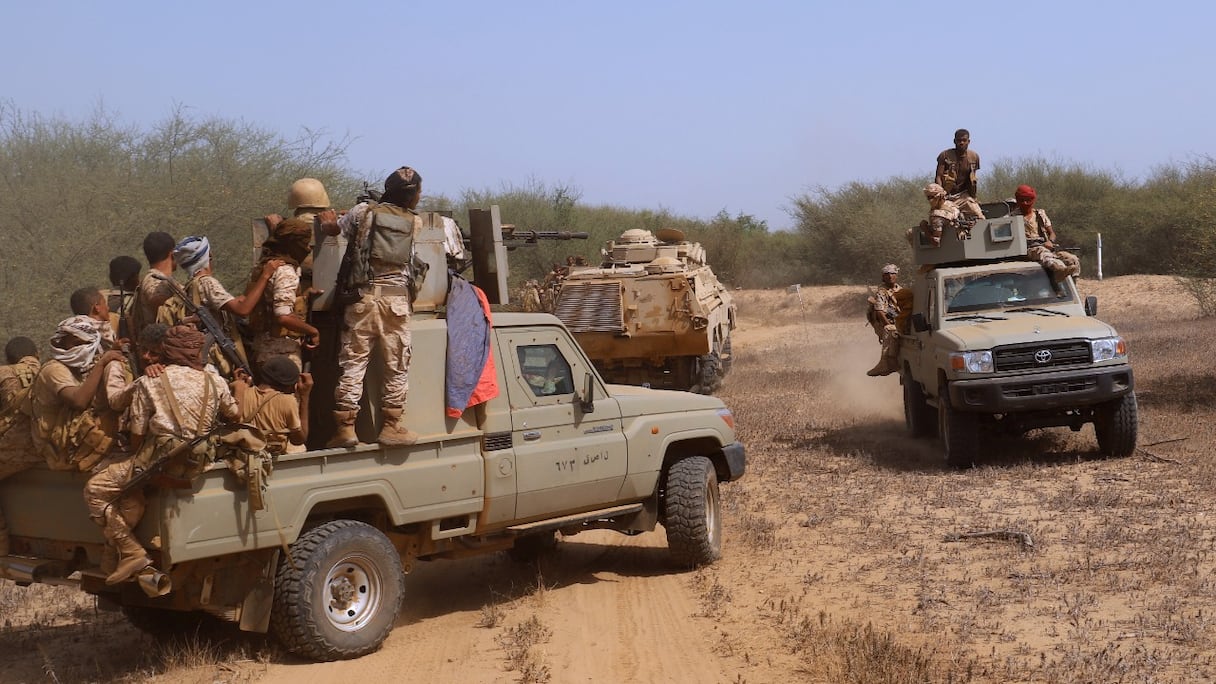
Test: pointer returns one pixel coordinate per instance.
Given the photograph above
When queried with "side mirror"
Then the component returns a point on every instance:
(919, 324)
(1091, 306)
(586, 401)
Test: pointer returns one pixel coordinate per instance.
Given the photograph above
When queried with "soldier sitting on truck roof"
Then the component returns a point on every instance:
(947, 214)
(16, 450)
(1040, 238)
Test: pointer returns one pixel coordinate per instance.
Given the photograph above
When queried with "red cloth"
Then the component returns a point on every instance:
(487, 384)
(1024, 191)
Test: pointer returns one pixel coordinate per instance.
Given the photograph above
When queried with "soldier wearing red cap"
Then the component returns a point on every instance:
(1040, 238)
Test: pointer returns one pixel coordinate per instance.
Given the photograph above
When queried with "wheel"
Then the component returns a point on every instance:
(1116, 425)
(693, 515)
(918, 415)
(530, 547)
(709, 374)
(337, 594)
(959, 431)
(726, 358)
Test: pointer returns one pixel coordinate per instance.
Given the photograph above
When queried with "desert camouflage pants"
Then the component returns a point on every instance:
(888, 335)
(117, 515)
(372, 322)
(1059, 264)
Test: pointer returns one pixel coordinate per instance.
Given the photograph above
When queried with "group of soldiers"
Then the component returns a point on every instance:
(542, 295)
(953, 209)
(141, 387)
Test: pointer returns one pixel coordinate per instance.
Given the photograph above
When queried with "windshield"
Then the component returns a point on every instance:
(1003, 290)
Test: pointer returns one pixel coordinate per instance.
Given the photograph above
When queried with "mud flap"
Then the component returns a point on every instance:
(255, 611)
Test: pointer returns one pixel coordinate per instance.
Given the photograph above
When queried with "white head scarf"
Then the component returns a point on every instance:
(72, 330)
(193, 254)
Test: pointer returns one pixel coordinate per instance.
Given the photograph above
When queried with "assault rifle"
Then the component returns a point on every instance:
(139, 478)
(209, 325)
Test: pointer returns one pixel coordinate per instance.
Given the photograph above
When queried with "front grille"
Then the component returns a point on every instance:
(591, 307)
(1033, 356)
(1037, 389)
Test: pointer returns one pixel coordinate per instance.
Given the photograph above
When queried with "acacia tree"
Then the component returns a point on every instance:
(73, 195)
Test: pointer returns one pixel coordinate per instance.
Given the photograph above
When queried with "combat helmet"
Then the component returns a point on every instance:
(307, 193)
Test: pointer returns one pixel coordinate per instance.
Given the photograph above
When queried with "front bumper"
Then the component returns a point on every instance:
(1042, 391)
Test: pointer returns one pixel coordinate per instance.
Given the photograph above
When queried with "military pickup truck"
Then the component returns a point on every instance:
(995, 346)
(322, 566)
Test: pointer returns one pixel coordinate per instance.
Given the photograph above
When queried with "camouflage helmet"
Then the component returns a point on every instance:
(307, 193)
(934, 190)
(890, 268)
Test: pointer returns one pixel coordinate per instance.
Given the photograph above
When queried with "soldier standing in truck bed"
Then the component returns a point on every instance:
(957, 167)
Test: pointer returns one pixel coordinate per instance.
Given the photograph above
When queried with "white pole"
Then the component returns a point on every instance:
(1099, 256)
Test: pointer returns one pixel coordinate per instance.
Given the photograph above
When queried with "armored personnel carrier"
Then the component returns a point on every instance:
(653, 313)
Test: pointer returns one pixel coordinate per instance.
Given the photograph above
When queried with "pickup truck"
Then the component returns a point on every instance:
(994, 346)
(322, 565)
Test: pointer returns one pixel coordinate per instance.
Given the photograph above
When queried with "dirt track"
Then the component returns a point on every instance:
(838, 561)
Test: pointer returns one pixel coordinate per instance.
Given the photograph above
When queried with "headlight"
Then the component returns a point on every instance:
(972, 362)
(1108, 348)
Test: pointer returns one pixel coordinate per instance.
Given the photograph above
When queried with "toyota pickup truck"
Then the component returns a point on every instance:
(995, 347)
(322, 565)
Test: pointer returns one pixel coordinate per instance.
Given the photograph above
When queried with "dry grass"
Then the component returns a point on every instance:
(876, 584)
(521, 643)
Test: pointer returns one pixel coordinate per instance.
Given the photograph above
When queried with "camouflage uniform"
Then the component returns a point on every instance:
(884, 311)
(1059, 264)
(17, 451)
(282, 291)
(381, 316)
(151, 415)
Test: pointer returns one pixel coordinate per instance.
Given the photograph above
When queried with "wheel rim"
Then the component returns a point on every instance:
(711, 513)
(353, 590)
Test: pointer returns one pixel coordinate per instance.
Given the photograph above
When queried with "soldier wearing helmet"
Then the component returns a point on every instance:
(882, 314)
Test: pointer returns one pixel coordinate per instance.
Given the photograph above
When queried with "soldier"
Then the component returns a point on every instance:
(531, 298)
(1040, 238)
(153, 289)
(278, 321)
(17, 451)
(182, 403)
(957, 167)
(278, 405)
(124, 275)
(194, 255)
(882, 314)
(306, 199)
(65, 431)
(382, 271)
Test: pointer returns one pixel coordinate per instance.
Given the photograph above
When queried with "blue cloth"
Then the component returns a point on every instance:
(468, 342)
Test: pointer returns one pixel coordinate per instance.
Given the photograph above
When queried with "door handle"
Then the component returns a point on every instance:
(531, 435)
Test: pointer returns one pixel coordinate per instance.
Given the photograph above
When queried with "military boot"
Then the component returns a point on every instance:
(109, 559)
(344, 436)
(393, 433)
(886, 366)
(132, 559)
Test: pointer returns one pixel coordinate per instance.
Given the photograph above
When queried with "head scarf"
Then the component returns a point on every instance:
(890, 268)
(1024, 191)
(291, 240)
(77, 341)
(193, 254)
(183, 346)
(934, 190)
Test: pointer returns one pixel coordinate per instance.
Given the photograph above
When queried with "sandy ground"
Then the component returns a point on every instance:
(838, 528)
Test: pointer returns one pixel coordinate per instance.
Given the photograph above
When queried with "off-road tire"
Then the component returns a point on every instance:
(693, 515)
(1116, 426)
(919, 417)
(337, 594)
(529, 548)
(709, 373)
(960, 432)
(726, 358)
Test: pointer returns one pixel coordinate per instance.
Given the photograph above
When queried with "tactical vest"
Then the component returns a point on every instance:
(174, 312)
(263, 319)
(77, 441)
(388, 246)
(25, 374)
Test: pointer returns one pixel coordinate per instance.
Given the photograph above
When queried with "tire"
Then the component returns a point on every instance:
(1116, 425)
(959, 431)
(918, 415)
(693, 513)
(709, 375)
(338, 593)
(726, 358)
(529, 548)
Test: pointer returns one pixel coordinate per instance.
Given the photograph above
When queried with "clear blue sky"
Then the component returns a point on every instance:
(689, 106)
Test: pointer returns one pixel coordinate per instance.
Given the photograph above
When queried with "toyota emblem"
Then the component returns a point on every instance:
(1042, 356)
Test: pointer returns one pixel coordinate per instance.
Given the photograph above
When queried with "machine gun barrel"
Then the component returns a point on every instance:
(532, 236)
